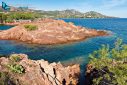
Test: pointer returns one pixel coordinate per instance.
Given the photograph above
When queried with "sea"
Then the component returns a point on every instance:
(72, 53)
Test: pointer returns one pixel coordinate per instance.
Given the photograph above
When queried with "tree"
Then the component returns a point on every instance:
(115, 60)
(3, 17)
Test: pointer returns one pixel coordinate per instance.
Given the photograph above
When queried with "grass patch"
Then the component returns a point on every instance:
(31, 27)
(15, 58)
(3, 78)
(16, 68)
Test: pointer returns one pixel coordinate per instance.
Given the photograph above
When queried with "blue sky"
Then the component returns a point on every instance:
(108, 7)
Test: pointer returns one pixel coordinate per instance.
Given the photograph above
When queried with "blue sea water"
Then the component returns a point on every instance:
(72, 53)
(4, 27)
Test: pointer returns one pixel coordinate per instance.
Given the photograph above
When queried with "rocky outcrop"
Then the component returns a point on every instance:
(49, 32)
(40, 72)
(94, 73)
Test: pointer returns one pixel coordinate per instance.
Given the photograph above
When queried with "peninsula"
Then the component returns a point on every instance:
(49, 31)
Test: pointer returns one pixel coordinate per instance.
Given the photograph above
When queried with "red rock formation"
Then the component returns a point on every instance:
(41, 72)
(89, 68)
(49, 32)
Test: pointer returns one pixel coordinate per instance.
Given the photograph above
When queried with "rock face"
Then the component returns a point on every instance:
(93, 73)
(41, 72)
(49, 32)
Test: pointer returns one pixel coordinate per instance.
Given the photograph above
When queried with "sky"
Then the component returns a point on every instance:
(116, 8)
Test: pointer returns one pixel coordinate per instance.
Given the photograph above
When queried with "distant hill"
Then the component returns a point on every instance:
(69, 13)
(73, 14)
(93, 14)
(63, 14)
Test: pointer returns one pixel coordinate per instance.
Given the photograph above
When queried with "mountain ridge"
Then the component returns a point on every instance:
(67, 13)
(72, 13)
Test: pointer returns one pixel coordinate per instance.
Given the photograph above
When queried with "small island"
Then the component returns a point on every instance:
(49, 31)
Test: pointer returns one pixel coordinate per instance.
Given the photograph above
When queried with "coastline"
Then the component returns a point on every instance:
(10, 24)
(19, 67)
(59, 43)
(50, 32)
(94, 43)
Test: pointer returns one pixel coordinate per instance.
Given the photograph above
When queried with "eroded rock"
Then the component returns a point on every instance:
(41, 72)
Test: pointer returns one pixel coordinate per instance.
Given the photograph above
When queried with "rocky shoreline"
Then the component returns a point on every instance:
(50, 32)
(20, 70)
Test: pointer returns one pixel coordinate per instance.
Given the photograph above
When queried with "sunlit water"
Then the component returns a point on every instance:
(74, 52)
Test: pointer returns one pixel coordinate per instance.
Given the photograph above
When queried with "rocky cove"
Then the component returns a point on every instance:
(69, 51)
(48, 31)
(63, 46)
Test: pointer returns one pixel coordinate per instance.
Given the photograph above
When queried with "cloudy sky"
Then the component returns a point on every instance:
(116, 8)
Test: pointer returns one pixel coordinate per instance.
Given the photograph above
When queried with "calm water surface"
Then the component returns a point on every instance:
(70, 53)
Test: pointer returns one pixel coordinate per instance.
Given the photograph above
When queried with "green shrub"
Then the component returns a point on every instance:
(114, 59)
(3, 78)
(15, 58)
(9, 20)
(16, 68)
(30, 27)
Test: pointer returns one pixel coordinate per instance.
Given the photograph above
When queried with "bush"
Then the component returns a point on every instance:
(16, 68)
(115, 60)
(9, 21)
(5, 79)
(30, 27)
(15, 58)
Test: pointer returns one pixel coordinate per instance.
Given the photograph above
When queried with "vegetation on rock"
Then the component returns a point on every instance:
(3, 17)
(39, 73)
(11, 16)
(110, 65)
(15, 58)
(16, 68)
(4, 79)
(22, 15)
(30, 27)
